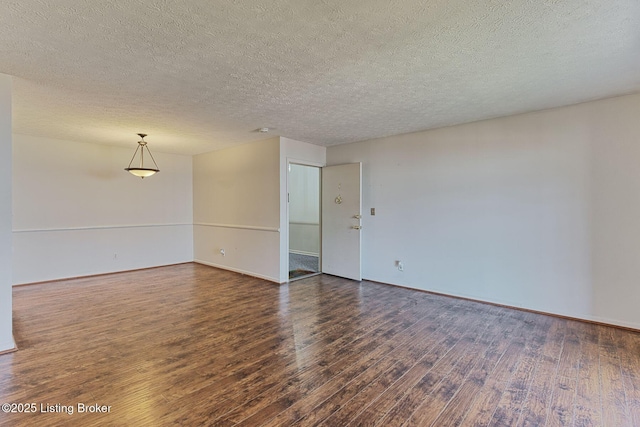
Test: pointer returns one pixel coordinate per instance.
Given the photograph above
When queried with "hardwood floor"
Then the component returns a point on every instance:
(194, 345)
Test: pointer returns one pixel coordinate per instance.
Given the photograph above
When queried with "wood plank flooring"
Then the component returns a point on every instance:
(193, 345)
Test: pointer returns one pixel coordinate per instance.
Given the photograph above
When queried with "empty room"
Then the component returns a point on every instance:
(405, 213)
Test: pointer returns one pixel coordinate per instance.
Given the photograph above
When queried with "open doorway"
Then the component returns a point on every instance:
(304, 221)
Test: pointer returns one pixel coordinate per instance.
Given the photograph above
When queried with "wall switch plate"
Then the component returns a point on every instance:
(373, 211)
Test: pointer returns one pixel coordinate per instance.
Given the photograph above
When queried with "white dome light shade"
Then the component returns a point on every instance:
(142, 173)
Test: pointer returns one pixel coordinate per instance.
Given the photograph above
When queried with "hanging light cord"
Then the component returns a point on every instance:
(154, 160)
(141, 145)
(134, 155)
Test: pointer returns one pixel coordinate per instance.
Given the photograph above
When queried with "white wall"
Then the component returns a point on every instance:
(6, 328)
(236, 208)
(77, 212)
(240, 205)
(539, 210)
(304, 209)
(614, 129)
(292, 151)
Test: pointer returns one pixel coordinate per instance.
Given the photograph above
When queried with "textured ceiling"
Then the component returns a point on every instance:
(202, 75)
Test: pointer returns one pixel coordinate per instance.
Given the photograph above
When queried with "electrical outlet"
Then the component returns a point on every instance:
(222, 252)
(373, 211)
(400, 265)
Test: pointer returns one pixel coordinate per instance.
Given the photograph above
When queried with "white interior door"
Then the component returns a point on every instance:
(341, 219)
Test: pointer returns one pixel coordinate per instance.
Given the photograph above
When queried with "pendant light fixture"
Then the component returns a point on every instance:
(142, 171)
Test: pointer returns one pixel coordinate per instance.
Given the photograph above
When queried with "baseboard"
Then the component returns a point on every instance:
(9, 347)
(98, 274)
(222, 267)
(610, 322)
(291, 251)
(237, 270)
(630, 326)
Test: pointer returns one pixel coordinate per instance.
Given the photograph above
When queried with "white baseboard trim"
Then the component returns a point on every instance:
(237, 270)
(292, 251)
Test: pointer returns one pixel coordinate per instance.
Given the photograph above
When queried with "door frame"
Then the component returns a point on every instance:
(294, 161)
